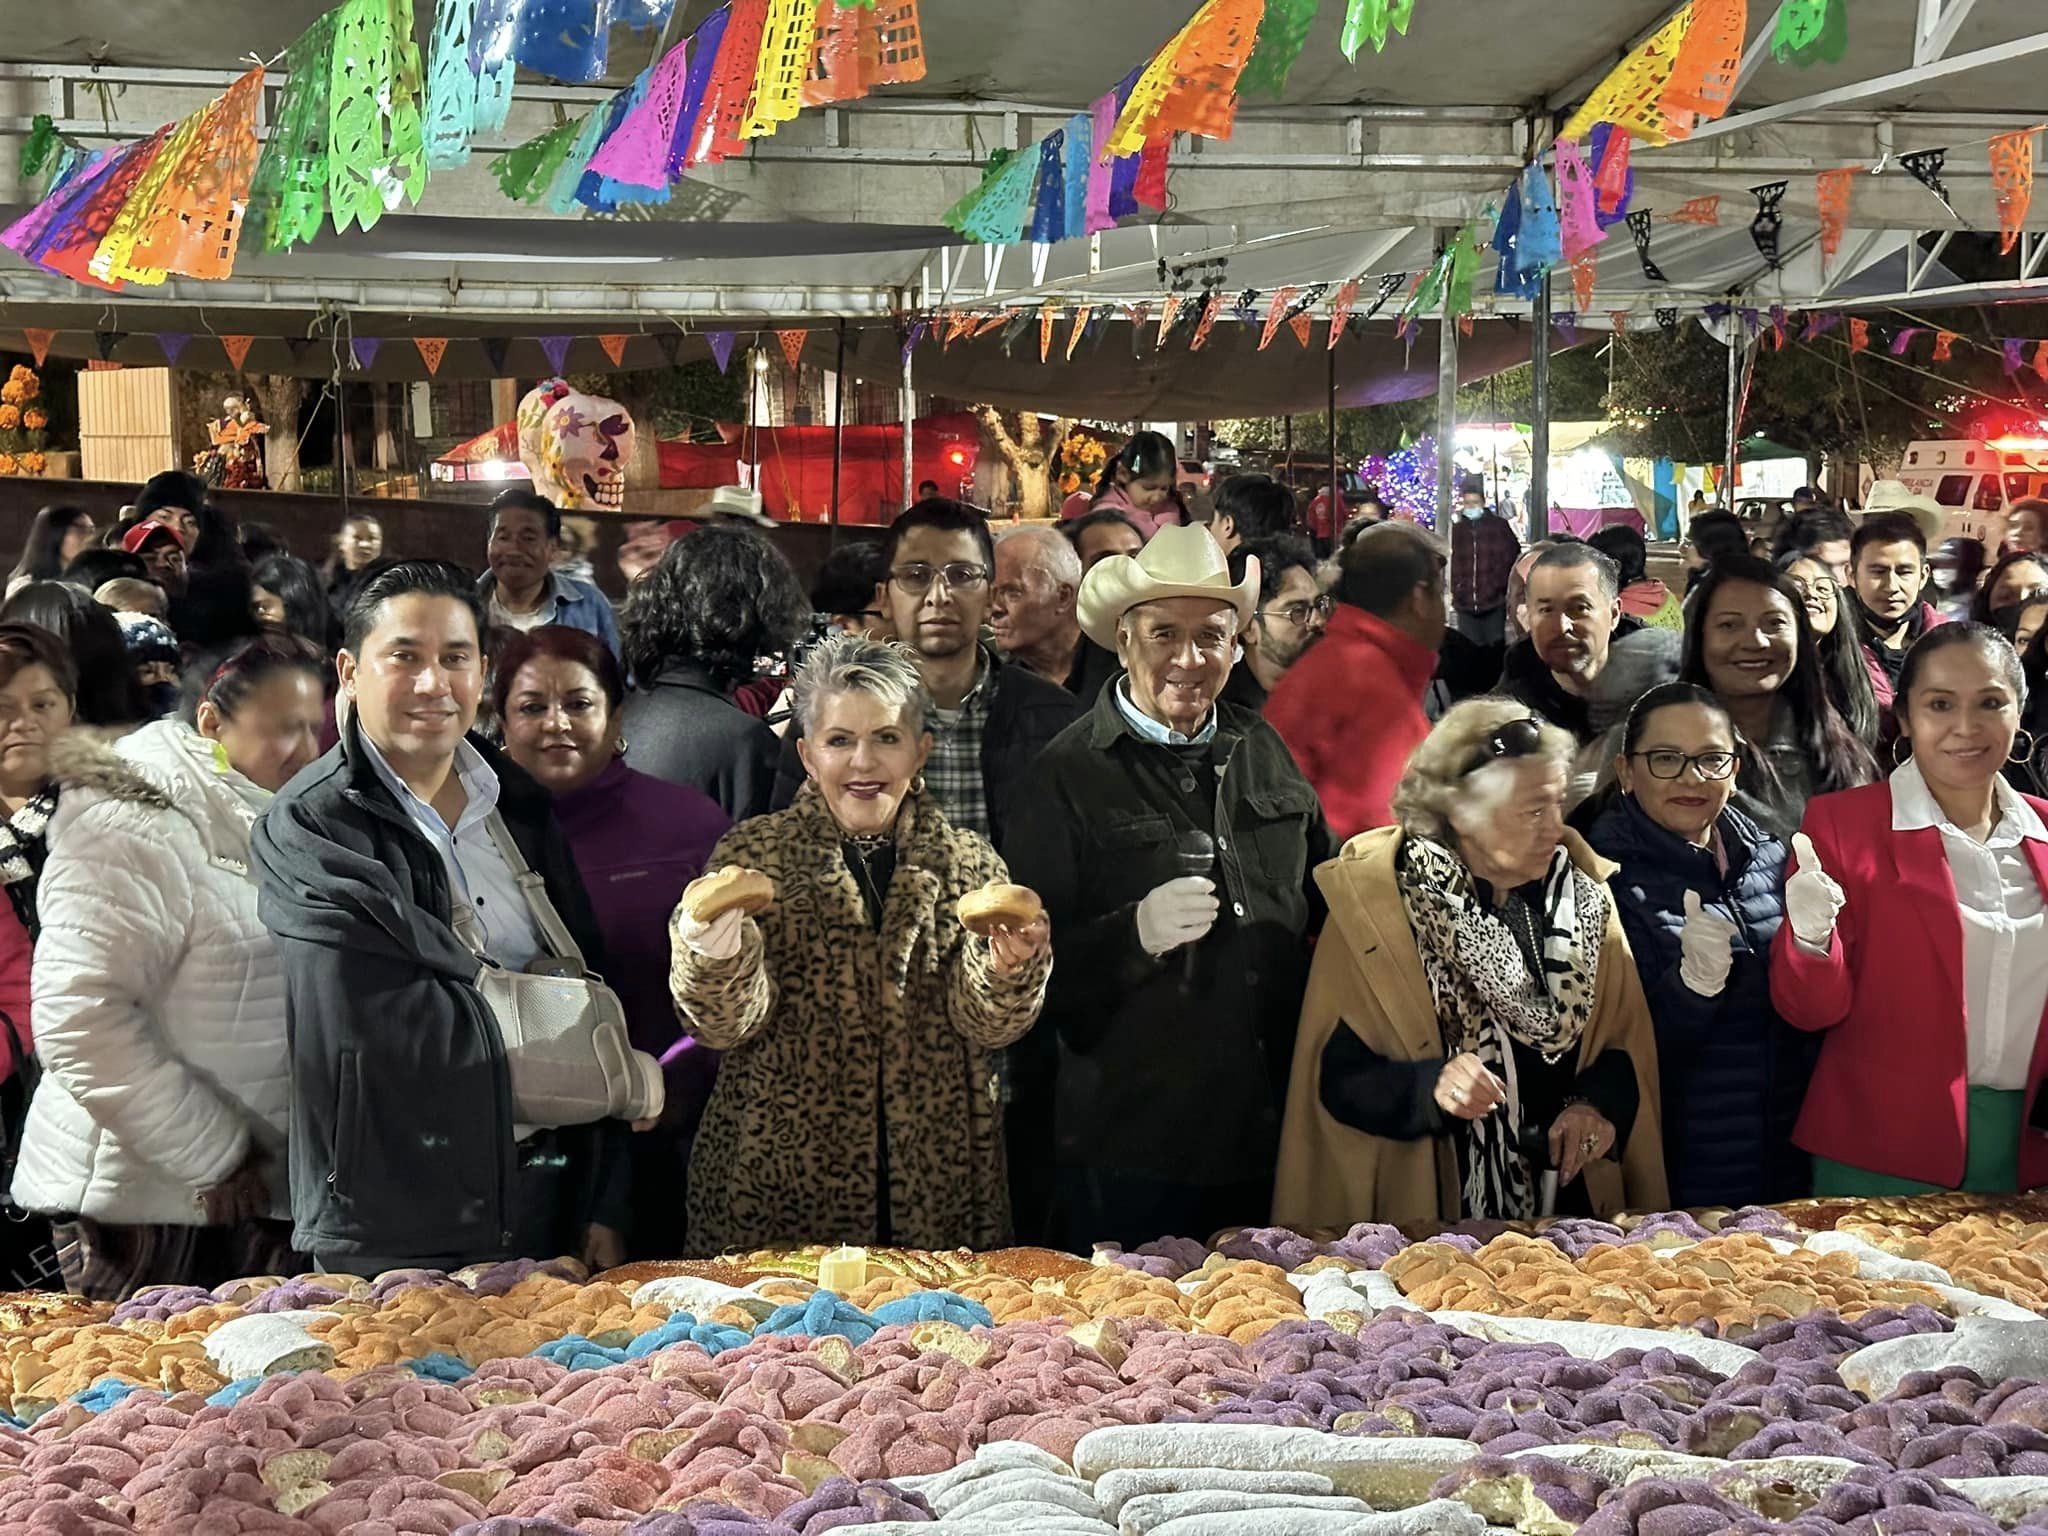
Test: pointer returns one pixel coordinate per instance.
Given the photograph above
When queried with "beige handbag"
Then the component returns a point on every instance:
(565, 1037)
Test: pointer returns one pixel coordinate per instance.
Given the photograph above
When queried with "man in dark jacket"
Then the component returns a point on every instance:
(1574, 605)
(1172, 839)
(1483, 554)
(402, 1141)
(992, 718)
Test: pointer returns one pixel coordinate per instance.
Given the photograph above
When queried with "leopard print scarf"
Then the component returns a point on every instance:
(1486, 999)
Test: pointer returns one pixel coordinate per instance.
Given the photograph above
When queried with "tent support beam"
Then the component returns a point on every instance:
(907, 404)
(1732, 436)
(1872, 89)
(838, 427)
(1939, 24)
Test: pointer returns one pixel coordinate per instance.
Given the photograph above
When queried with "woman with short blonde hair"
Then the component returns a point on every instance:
(1474, 1041)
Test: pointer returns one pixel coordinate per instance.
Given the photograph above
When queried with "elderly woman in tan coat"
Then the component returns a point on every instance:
(1474, 1041)
(857, 1099)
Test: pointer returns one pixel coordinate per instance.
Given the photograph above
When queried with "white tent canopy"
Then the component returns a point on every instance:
(1358, 170)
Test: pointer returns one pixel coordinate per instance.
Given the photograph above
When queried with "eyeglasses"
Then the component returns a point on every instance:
(1815, 586)
(959, 576)
(1299, 614)
(1518, 738)
(1711, 766)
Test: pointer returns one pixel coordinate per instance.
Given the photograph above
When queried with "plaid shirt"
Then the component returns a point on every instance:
(1484, 550)
(953, 772)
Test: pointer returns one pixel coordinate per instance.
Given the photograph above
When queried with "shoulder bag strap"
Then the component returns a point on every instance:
(535, 890)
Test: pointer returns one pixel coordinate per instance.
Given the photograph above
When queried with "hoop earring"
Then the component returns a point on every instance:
(2016, 755)
(917, 785)
(1902, 748)
(620, 749)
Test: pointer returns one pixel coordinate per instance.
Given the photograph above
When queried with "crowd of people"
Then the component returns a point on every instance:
(1385, 875)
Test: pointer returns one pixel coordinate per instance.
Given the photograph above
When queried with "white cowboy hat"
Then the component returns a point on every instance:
(1892, 496)
(735, 501)
(1180, 561)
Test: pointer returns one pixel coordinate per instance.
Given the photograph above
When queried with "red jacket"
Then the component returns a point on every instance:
(1890, 1092)
(1351, 713)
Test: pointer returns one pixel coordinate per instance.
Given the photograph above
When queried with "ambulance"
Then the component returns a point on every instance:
(1978, 480)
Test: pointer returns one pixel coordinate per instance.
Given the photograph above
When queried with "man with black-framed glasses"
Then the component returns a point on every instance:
(1292, 614)
(1351, 711)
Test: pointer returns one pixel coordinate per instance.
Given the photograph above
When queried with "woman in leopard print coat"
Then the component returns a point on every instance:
(857, 1016)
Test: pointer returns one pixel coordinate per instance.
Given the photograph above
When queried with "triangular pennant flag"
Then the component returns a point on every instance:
(1578, 201)
(2012, 177)
(299, 346)
(917, 334)
(364, 350)
(1700, 210)
(1752, 321)
(1048, 317)
(1833, 190)
(1618, 319)
(2015, 350)
(1859, 333)
(2041, 360)
(1019, 319)
(1614, 181)
(1811, 32)
(104, 343)
(557, 350)
(1390, 284)
(432, 350)
(1818, 325)
(793, 345)
(1567, 324)
(1081, 317)
(1925, 166)
(1340, 310)
(496, 349)
(614, 344)
(38, 342)
(995, 322)
(1945, 345)
(1639, 225)
(1168, 313)
(1667, 321)
(721, 343)
(1281, 299)
(1780, 318)
(671, 345)
(1304, 326)
(1210, 311)
(1585, 269)
(1903, 342)
(237, 348)
(173, 342)
(1769, 220)
(1465, 325)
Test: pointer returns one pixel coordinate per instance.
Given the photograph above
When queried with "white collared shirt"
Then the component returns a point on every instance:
(477, 872)
(502, 617)
(1155, 731)
(2005, 925)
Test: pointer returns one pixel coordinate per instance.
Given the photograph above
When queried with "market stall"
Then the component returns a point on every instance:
(1819, 1367)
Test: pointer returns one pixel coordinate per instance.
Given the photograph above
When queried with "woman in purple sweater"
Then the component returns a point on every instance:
(638, 841)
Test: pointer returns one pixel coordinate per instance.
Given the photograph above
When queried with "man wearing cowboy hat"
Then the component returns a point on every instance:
(1173, 840)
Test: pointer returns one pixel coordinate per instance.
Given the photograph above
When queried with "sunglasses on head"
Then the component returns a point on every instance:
(1517, 738)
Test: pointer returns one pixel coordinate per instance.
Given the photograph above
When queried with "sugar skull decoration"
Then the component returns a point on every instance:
(576, 447)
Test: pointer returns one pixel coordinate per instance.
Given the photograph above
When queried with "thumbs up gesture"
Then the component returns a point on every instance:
(1812, 898)
(1706, 948)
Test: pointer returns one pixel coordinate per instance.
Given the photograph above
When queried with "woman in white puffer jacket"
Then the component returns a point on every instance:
(156, 1136)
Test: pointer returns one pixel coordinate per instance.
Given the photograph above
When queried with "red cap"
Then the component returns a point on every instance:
(133, 540)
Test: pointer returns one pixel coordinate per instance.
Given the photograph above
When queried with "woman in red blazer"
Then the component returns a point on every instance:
(1916, 935)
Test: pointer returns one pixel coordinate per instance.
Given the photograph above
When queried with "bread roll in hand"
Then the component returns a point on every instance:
(711, 896)
(995, 907)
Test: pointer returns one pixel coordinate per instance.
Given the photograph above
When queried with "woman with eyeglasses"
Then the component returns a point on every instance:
(1474, 1042)
(1699, 888)
(1916, 943)
(1748, 640)
(1845, 666)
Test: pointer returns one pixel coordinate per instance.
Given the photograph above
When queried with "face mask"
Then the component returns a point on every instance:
(1471, 512)
(159, 699)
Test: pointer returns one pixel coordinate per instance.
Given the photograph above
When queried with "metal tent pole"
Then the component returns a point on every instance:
(1539, 427)
(908, 405)
(1734, 414)
(838, 428)
(1446, 403)
(1337, 511)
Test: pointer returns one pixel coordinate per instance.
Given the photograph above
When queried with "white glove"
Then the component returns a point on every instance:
(718, 939)
(1706, 949)
(1812, 899)
(1177, 913)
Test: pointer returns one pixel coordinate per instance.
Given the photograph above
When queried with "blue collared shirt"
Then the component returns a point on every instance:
(1151, 730)
(564, 600)
(477, 872)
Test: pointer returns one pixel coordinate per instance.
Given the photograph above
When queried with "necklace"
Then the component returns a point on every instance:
(870, 843)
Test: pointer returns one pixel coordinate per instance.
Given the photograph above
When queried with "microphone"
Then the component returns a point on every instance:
(1194, 853)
